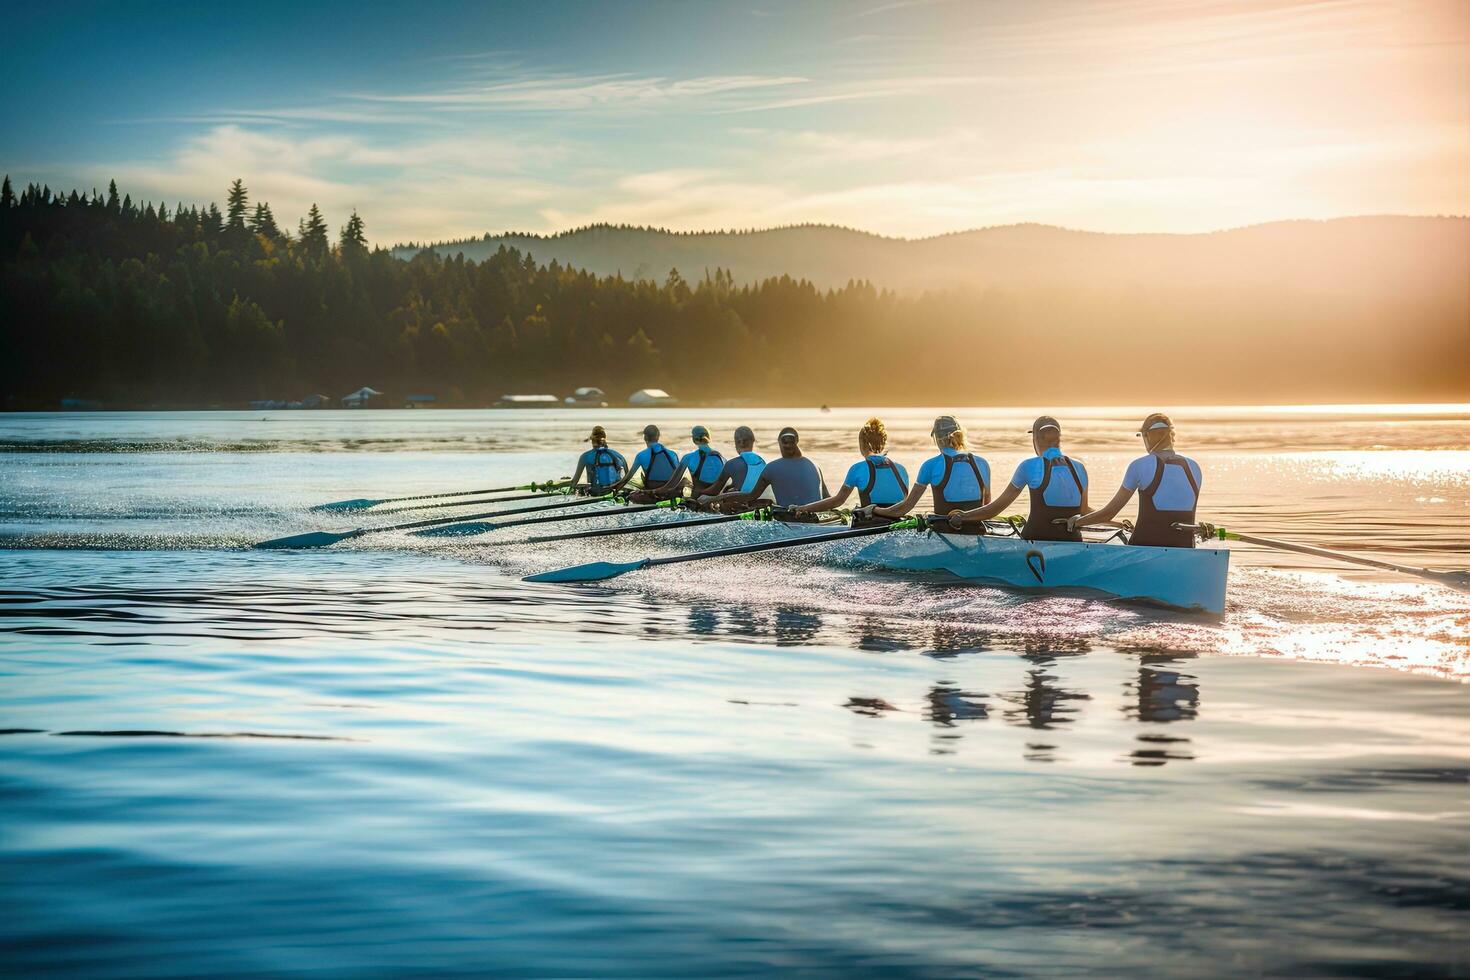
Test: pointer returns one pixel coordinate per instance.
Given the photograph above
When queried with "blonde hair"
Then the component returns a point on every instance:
(873, 436)
(955, 440)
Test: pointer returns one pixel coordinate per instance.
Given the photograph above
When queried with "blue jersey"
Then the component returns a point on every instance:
(604, 466)
(1174, 491)
(961, 478)
(657, 463)
(1061, 491)
(743, 472)
(704, 464)
(890, 481)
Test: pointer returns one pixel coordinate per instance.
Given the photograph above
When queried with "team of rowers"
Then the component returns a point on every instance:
(1167, 483)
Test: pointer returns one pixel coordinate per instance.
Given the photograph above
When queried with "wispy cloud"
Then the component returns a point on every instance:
(586, 92)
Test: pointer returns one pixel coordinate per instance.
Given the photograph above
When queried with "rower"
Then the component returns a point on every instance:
(1058, 487)
(877, 479)
(703, 466)
(1168, 490)
(960, 480)
(602, 465)
(740, 473)
(656, 464)
(793, 479)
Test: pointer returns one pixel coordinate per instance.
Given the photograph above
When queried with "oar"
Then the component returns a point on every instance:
(1457, 579)
(763, 514)
(598, 571)
(362, 503)
(559, 505)
(467, 503)
(471, 527)
(641, 528)
(321, 539)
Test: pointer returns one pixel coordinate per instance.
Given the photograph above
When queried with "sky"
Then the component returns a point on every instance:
(439, 121)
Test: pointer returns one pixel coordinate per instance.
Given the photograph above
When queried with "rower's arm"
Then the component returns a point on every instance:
(749, 497)
(581, 468)
(987, 511)
(627, 477)
(712, 491)
(676, 480)
(1106, 513)
(905, 505)
(826, 503)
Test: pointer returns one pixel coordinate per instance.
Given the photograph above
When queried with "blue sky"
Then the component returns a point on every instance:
(441, 120)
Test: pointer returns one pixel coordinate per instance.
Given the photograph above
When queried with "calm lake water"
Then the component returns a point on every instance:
(395, 757)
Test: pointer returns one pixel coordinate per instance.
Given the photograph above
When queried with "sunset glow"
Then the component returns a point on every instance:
(907, 118)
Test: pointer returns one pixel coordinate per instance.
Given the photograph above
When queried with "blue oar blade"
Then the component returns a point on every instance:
(311, 539)
(595, 571)
(455, 530)
(361, 503)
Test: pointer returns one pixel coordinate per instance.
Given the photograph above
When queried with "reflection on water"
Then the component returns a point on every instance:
(466, 774)
(394, 757)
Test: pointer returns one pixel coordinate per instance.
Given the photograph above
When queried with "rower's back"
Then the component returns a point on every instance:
(957, 478)
(744, 470)
(1168, 494)
(658, 464)
(604, 466)
(1057, 484)
(795, 480)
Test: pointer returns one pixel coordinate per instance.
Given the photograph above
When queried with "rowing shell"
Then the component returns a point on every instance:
(1183, 578)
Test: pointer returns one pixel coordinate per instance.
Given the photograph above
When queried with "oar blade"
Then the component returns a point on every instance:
(1455, 580)
(311, 539)
(361, 503)
(596, 571)
(464, 530)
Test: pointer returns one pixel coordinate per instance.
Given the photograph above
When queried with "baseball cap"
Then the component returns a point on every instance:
(789, 431)
(1158, 420)
(1045, 422)
(743, 433)
(698, 432)
(650, 432)
(598, 432)
(945, 425)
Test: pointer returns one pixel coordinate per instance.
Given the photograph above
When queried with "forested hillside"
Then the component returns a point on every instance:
(1390, 251)
(104, 298)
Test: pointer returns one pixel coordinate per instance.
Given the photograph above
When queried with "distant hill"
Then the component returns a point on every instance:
(122, 303)
(1310, 255)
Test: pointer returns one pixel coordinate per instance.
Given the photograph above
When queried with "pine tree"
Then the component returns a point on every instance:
(212, 222)
(263, 222)
(235, 208)
(114, 203)
(7, 196)
(353, 241)
(313, 233)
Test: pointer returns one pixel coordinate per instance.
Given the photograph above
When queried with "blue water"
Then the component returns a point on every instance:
(394, 757)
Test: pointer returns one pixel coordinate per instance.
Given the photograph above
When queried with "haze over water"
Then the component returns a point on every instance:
(397, 754)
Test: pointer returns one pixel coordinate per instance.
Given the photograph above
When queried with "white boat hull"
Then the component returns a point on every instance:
(1184, 578)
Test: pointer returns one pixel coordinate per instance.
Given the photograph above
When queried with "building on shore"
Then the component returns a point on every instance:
(587, 398)
(529, 401)
(651, 398)
(361, 398)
